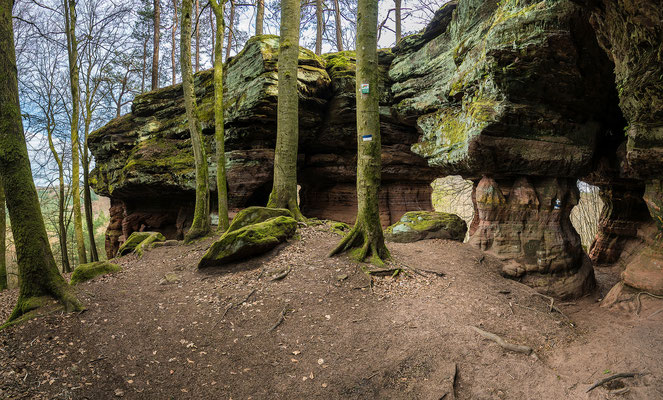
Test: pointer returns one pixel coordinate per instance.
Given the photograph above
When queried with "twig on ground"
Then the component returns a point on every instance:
(613, 377)
(247, 297)
(226, 311)
(97, 359)
(655, 312)
(280, 320)
(639, 302)
(552, 301)
(453, 380)
(371, 375)
(282, 275)
(420, 272)
(511, 308)
(504, 344)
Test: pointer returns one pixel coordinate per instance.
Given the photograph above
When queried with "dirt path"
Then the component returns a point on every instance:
(341, 338)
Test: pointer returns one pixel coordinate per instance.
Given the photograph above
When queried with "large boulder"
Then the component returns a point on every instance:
(254, 215)
(419, 225)
(249, 241)
(85, 272)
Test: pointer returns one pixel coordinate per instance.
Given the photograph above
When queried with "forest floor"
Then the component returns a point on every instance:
(344, 335)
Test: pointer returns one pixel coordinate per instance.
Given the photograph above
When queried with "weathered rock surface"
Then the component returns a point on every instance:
(136, 241)
(85, 272)
(420, 225)
(249, 241)
(255, 215)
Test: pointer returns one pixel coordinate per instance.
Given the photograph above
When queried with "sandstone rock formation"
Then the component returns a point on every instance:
(521, 97)
(85, 272)
(420, 225)
(145, 165)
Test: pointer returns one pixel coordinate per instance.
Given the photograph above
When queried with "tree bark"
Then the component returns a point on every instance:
(197, 36)
(87, 194)
(37, 270)
(397, 6)
(201, 218)
(3, 239)
(212, 29)
(72, 51)
(260, 16)
(366, 235)
(155, 54)
(172, 36)
(319, 28)
(221, 187)
(284, 191)
(339, 31)
(62, 230)
(231, 26)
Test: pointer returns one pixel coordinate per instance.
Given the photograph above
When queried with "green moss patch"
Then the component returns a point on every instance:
(85, 272)
(249, 241)
(254, 215)
(136, 239)
(419, 225)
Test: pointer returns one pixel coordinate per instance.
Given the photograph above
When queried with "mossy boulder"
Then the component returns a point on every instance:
(154, 238)
(254, 215)
(249, 241)
(85, 272)
(135, 241)
(419, 225)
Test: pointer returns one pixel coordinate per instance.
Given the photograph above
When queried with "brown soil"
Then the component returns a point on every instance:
(341, 338)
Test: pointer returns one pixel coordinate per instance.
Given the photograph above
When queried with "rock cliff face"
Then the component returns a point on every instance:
(144, 161)
(522, 97)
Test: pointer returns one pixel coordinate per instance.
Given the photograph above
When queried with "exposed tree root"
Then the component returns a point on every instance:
(194, 234)
(280, 320)
(639, 302)
(362, 245)
(504, 344)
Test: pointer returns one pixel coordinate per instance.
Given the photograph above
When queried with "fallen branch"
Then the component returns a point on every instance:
(504, 344)
(613, 377)
(282, 275)
(552, 301)
(655, 312)
(280, 320)
(247, 297)
(637, 298)
(97, 359)
(419, 271)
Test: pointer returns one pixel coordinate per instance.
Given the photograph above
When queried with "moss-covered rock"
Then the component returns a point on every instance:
(85, 272)
(136, 239)
(249, 241)
(155, 237)
(254, 215)
(420, 225)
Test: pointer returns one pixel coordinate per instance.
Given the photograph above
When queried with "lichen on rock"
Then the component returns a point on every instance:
(420, 225)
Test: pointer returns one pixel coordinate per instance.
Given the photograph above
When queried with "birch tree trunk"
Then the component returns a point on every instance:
(221, 186)
(72, 51)
(339, 31)
(260, 16)
(366, 238)
(155, 55)
(284, 191)
(201, 218)
(37, 270)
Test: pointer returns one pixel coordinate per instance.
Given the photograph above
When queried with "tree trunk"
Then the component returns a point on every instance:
(221, 186)
(284, 191)
(37, 270)
(231, 26)
(366, 235)
(339, 31)
(260, 16)
(87, 195)
(319, 28)
(3, 239)
(142, 82)
(155, 55)
(201, 218)
(172, 36)
(62, 231)
(197, 36)
(212, 29)
(397, 6)
(72, 50)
